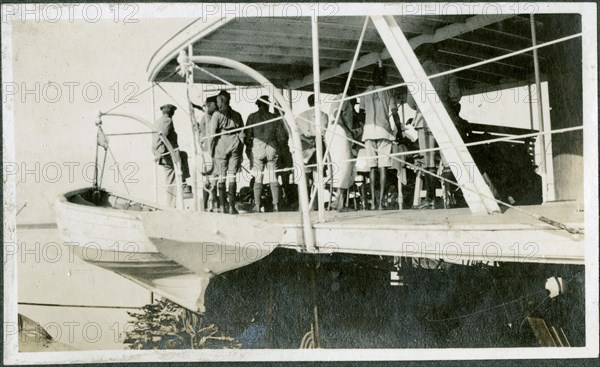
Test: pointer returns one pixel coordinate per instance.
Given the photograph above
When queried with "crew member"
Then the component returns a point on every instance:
(262, 143)
(307, 124)
(285, 162)
(340, 149)
(379, 132)
(166, 130)
(208, 170)
(226, 149)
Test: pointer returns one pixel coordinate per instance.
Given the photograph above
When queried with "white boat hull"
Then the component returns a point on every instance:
(174, 254)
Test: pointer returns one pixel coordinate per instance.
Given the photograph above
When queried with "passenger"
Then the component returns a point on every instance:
(262, 143)
(449, 94)
(340, 150)
(208, 170)
(164, 125)
(308, 131)
(285, 162)
(226, 149)
(379, 132)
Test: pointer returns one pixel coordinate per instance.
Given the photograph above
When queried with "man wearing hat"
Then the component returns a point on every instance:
(164, 125)
(262, 143)
(203, 129)
(227, 148)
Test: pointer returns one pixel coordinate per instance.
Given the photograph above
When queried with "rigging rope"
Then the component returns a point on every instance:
(174, 100)
(140, 93)
(466, 67)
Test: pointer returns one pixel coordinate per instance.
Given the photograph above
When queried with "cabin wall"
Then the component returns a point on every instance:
(564, 71)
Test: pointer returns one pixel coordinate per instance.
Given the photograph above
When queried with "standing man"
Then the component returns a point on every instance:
(285, 161)
(164, 125)
(262, 143)
(226, 148)
(340, 149)
(306, 122)
(379, 132)
(449, 94)
(208, 170)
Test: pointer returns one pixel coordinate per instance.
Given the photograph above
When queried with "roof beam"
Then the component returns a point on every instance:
(297, 40)
(286, 61)
(287, 26)
(216, 47)
(441, 34)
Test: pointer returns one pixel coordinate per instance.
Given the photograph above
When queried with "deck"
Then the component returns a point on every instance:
(454, 235)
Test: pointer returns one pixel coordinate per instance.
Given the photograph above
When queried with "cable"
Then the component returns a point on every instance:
(140, 93)
(174, 100)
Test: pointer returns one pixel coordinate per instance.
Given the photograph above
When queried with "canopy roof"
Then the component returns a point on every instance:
(281, 49)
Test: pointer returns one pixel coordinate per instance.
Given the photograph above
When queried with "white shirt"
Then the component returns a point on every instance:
(378, 110)
(307, 125)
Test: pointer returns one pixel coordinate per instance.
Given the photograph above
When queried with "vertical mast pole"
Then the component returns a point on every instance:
(540, 111)
(152, 137)
(194, 171)
(319, 140)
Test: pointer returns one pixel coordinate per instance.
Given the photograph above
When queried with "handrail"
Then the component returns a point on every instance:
(175, 157)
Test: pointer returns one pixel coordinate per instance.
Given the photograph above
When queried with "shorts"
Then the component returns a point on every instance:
(228, 157)
(381, 148)
(264, 154)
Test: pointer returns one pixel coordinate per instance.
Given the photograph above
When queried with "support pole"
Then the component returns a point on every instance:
(194, 171)
(152, 137)
(289, 97)
(530, 106)
(317, 90)
(477, 194)
(538, 87)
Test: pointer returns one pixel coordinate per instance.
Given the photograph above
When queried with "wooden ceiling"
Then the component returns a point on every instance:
(280, 48)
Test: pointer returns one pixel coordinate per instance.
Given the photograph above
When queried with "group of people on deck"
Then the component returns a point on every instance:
(371, 133)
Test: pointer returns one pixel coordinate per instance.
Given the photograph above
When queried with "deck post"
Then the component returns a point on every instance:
(319, 139)
(477, 193)
(189, 79)
(543, 169)
(196, 189)
(152, 137)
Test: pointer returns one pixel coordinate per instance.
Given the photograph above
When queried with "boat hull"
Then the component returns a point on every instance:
(171, 253)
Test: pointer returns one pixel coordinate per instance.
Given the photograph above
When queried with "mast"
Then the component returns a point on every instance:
(319, 140)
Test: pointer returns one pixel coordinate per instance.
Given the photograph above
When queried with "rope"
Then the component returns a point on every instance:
(133, 133)
(118, 169)
(140, 93)
(174, 100)
(241, 128)
(474, 65)
(214, 76)
(348, 98)
(465, 145)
